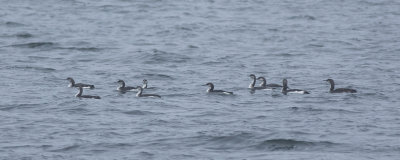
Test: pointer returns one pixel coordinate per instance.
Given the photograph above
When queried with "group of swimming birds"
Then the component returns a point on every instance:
(285, 89)
(122, 88)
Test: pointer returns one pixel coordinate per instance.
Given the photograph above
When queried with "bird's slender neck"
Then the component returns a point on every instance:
(211, 88)
(332, 85)
(122, 84)
(80, 92)
(253, 82)
(284, 86)
(139, 93)
(263, 82)
(144, 85)
(72, 82)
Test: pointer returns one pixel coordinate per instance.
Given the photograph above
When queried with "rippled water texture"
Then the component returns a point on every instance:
(179, 46)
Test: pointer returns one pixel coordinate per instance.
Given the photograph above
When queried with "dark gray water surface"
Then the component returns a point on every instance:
(180, 45)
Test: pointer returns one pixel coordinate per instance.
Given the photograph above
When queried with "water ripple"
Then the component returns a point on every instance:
(35, 68)
(34, 45)
(291, 144)
(158, 56)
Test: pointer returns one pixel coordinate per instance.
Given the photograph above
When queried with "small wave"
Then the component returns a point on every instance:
(28, 146)
(315, 45)
(312, 109)
(288, 55)
(179, 94)
(184, 28)
(211, 63)
(66, 148)
(18, 106)
(85, 49)
(43, 69)
(192, 46)
(373, 3)
(76, 110)
(339, 42)
(142, 131)
(109, 8)
(158, 56)
(158, 122)
(306, 17)
(34, 45)
(237, 140)
(114, 145)
(146, 154)
(290, 144)
(66, 103)
(230, 138)
(158, 76)
(342, 111)
(18, 35)
(14, 24)
(273, 29)
(23, 35)
(85, 60)
(97, 151)
(137, 112)
(37, 57)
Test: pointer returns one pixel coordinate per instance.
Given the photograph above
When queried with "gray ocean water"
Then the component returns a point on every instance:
(179, 46)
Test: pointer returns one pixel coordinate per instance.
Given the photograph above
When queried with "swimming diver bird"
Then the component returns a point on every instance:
(253, 82)
(79, 94)
(339, 90)
(211, 89)
(265, 85)
(145, 84)
(122, 86)
(140, 90)
(285, 89)
(73, 84)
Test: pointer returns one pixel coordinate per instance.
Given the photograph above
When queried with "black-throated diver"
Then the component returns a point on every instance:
(73, 84)
(285, 89)
(122, 86)
(140, 90)
(211, 89)
(265, 85)
(339, 90)
(79, 94)
(144, 83)
(253, 81)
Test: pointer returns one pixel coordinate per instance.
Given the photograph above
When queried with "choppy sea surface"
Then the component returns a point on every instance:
(180, 45)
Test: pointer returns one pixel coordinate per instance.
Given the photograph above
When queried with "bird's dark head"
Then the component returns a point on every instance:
(329, 80)
(284, 81)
